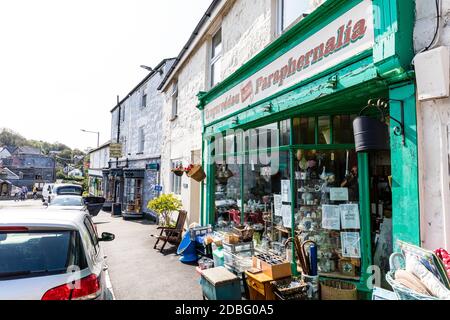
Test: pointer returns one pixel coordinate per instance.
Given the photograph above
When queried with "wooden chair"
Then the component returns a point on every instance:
(171, 235)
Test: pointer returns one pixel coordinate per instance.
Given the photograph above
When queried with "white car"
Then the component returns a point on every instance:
(93, 205)
(51, 255)
(65, 190)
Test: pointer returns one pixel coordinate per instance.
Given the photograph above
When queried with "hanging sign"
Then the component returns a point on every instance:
(115, 150)
(347, 36)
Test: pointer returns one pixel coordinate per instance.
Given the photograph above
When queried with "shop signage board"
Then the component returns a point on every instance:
(115, 150)
(349, 35)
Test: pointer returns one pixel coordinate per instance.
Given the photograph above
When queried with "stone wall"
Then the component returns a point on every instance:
(433, 127)
(247, 27)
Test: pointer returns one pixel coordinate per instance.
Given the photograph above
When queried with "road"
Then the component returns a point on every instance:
(136, 270)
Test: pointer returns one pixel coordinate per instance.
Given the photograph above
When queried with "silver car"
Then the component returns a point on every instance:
(51, 255)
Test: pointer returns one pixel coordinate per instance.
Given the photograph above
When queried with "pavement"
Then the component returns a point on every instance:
(137, 271)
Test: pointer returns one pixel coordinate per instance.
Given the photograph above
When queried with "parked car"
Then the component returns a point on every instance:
(47, 190)
(40, 250)
(93, 205)
(66, 190)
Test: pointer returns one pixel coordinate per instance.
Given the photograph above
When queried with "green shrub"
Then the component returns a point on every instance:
(164, 206)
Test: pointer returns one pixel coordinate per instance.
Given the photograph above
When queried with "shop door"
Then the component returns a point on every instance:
(381, 210)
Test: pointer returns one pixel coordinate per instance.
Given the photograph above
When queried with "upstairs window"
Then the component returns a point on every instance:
(144, 100)
(141, 140)
(291, 11)
(123, 114)
(175, 100)
(216, 58)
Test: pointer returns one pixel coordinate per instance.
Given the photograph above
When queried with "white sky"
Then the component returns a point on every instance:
(63, 62)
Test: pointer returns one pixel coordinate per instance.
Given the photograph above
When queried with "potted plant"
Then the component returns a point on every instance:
(164, 206)
(195, 171)
(178, 170)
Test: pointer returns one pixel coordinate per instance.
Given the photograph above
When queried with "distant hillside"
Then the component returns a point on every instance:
(9, 137)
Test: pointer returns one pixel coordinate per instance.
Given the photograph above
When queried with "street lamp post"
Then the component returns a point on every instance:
(97, 133)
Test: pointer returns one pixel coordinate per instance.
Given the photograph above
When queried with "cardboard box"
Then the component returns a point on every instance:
(276, 272)
(232, 238)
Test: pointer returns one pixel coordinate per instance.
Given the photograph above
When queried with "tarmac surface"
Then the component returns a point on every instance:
(137, 271)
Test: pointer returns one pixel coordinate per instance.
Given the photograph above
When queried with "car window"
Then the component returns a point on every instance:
(31, 254)
(70, 190)
(92, 230)
(67, 202)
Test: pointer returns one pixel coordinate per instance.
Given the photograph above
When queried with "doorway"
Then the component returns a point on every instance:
(380, 170)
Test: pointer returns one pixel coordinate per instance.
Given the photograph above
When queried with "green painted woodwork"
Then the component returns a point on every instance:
(364, 207)
(405, 187)
(394, 28)
(382, 72)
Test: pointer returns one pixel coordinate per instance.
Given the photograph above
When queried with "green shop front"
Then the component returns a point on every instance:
(279, 145)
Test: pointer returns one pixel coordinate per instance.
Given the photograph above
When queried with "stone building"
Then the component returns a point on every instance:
(230, 33)
(137, 125)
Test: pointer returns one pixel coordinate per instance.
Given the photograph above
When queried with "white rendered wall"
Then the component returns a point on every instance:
(433, 125)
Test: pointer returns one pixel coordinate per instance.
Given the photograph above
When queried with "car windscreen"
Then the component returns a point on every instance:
(67, 202)
(28, 254)
(70, 190)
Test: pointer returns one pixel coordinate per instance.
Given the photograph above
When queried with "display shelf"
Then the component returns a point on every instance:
(336, 275)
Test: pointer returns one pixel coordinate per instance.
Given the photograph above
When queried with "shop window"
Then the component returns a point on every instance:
(327, 209)
(324, 125)
(216, 58)
(227, 195)
(175, 100)
(285, 133)
(343, 129)
(133, 195)
(304, 131)
(265, 185)
(265, 137)
(176, 180)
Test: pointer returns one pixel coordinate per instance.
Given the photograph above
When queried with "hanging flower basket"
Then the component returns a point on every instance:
(196, 172)
(178, 171)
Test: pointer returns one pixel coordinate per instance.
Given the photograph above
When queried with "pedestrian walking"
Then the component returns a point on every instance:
(35, 190)
(24, 193)
(18, 195)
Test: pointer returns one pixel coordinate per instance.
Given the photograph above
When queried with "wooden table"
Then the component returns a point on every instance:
(259, 286)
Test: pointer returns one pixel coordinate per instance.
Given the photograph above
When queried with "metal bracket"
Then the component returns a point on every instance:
(332, 82)
(268, 108)
(400, 129)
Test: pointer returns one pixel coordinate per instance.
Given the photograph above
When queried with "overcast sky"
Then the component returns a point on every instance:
(63, 62)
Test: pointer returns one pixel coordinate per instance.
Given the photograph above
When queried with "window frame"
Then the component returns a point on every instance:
(144, 100)
(174, 97)
(280, 25)
(176, 182)
(214, 58)
(141, 140)
(92, 232)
